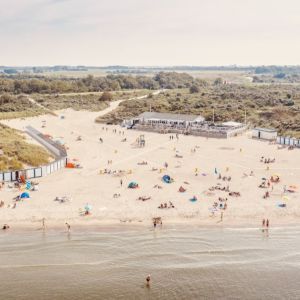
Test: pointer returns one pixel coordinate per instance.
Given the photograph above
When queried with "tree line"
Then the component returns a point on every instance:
(22, 84)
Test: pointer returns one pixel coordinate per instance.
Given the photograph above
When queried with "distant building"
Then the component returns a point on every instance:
(264, 133)
(183, 124)
(155, 118)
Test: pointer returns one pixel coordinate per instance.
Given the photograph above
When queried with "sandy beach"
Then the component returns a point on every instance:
(194, 163)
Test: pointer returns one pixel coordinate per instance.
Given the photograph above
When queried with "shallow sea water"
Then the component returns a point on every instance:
(184, 263)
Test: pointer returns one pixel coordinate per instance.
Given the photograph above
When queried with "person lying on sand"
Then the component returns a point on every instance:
(143, 198)
(157, 186)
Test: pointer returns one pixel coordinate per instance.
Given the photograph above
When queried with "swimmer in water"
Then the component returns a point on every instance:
(148, 278)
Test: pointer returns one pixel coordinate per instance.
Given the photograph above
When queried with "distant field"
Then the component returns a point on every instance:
(231, 76)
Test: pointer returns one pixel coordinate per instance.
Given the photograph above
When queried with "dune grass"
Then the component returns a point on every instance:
(83, 101)
(16, 153)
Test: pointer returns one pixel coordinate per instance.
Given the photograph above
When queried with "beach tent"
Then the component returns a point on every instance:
(182, 189)
(24, 195)
(167, 179)
(70, 165)
(133, 185)
(194, 199)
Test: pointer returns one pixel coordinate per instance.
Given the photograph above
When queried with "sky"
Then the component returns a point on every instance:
(149, 32)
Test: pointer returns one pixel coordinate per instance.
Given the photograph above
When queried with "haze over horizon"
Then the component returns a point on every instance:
(149, 33)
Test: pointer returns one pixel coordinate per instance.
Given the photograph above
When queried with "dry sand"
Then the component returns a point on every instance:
(86, 185)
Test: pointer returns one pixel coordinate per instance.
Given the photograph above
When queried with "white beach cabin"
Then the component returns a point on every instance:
(264, 134)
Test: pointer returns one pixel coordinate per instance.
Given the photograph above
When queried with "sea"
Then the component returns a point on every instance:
(185, 262)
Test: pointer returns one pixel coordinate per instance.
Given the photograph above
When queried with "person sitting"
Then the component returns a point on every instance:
(5, 226)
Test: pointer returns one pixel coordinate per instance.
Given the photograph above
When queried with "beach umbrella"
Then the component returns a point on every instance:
(24, 195)
(88, 207)
(167, 179)
(132, 185)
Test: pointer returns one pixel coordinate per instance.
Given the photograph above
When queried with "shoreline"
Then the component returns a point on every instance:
(112, 226)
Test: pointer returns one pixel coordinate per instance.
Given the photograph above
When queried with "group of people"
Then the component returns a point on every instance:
(224, 178)
(165, 205)
(219, 188)
(267, 160)
(234, 194)
(171, 137)
(265, 223)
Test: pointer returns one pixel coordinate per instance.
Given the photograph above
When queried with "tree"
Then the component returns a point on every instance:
(106, 96)
(194, 89)
(218, 81)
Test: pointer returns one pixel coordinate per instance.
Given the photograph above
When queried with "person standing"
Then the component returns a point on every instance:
(43, 223)
(148, 278)
(267, 223)
(121, 182)
(68, 227)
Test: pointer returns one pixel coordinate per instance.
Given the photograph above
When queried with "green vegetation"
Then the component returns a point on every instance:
(85, 101)
(16, 152)
(12, 106)
(276, 106)
(18, 84)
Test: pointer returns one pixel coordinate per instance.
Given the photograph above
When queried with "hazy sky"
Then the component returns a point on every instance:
(149, 32)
